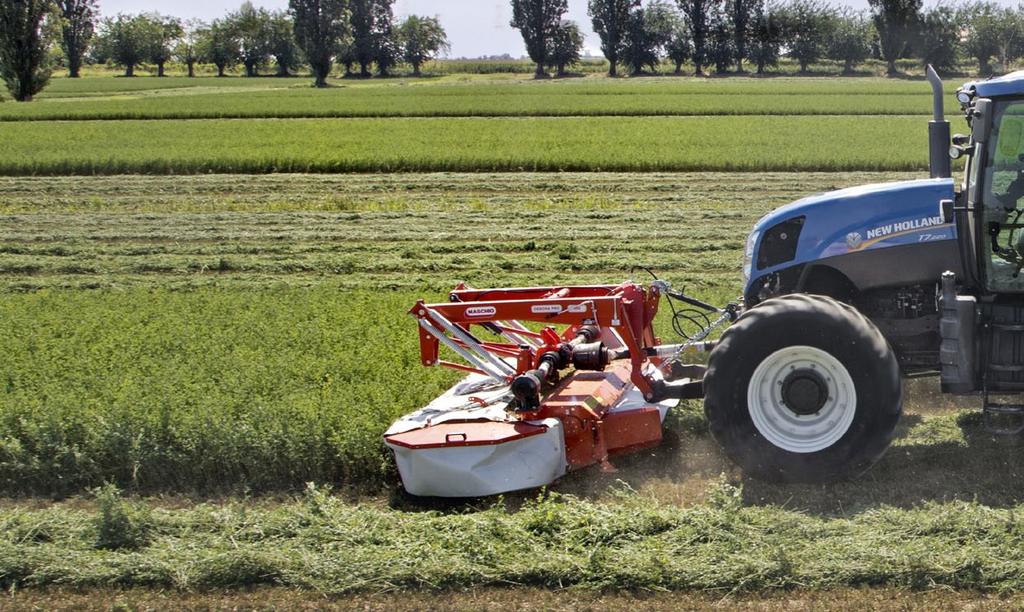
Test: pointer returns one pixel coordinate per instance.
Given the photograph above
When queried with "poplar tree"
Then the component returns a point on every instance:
(538, 21)
(610, 18)
(77, 28)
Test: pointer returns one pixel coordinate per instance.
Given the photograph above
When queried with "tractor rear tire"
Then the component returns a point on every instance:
(803, 388)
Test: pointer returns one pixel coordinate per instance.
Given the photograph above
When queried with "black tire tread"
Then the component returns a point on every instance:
(720, 383)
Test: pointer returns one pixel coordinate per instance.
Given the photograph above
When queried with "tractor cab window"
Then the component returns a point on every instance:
(1003, 200)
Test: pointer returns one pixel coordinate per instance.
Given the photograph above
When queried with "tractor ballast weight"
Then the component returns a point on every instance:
(845, 294)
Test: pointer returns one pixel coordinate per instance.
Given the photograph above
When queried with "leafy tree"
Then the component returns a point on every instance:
(740, 14)
(850, 40)
(371, 32)
(648, 32)
(189, 50)
(566, 45)
(678, 48)
(128, 40)
(766, 34)
(162, 38)
(23, 47)
(609, 19)
(938, 39)
(1009, 35)
(281, 42)
(982, 42)
(387, 47)
(78, 24)
(722, 51)
(806, 30)
(321, 27)
(346, 55)
(698, 17)
(251, 26)
(538, 21)
(219, 45)
(895, 21)
(422, 40)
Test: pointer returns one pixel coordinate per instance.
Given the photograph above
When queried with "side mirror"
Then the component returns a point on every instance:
(981, 120)
(946, 211)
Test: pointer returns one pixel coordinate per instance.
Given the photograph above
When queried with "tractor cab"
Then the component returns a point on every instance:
(991, 201)
(982, 323)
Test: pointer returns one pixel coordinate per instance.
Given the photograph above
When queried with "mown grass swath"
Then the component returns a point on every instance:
(116, 85)
(384, 231)
(473, 144)
(320, 543)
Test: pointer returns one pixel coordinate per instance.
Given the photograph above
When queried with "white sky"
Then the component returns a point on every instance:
(475, 27)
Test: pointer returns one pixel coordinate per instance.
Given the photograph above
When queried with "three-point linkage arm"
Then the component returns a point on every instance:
(600, 322)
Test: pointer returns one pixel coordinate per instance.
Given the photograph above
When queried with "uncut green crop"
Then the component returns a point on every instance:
(203, 391)
(461, 101)
(468, 144)
(206, 98)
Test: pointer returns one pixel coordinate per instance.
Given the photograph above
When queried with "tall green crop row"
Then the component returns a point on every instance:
(212, 390)
(464, 101)
(628, 144)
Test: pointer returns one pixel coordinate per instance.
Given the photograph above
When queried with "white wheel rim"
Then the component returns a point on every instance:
(783, 427)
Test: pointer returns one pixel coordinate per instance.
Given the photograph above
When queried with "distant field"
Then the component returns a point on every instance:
(107, 98)
(108, 125)
(465, 144)
(108, 85)
(424, 102)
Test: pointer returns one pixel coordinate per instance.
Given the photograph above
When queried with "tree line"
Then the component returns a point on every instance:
(723, 34)
(361, 35)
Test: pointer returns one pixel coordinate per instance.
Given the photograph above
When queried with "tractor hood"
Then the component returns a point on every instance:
(1007, 85)
(857, 220)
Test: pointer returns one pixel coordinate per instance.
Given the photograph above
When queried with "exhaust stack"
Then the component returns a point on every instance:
(939, 165)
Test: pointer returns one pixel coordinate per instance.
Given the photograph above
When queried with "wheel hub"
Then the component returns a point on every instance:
(804, 391)
(801, 399)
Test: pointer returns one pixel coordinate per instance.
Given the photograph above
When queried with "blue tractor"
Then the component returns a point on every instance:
(849, 292)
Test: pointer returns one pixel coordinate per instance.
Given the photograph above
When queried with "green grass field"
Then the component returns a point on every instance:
(98, 126)
(638, 144)
(447, 97)
(180, 318)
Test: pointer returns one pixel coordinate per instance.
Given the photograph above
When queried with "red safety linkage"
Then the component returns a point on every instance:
(623, 313)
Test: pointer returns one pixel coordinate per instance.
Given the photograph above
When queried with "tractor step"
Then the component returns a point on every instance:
(1004, 419)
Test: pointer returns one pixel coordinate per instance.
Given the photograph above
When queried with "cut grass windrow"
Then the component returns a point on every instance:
(320, 543)
(409, 230)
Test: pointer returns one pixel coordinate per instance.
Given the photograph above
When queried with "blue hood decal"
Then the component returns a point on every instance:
(863, 218)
